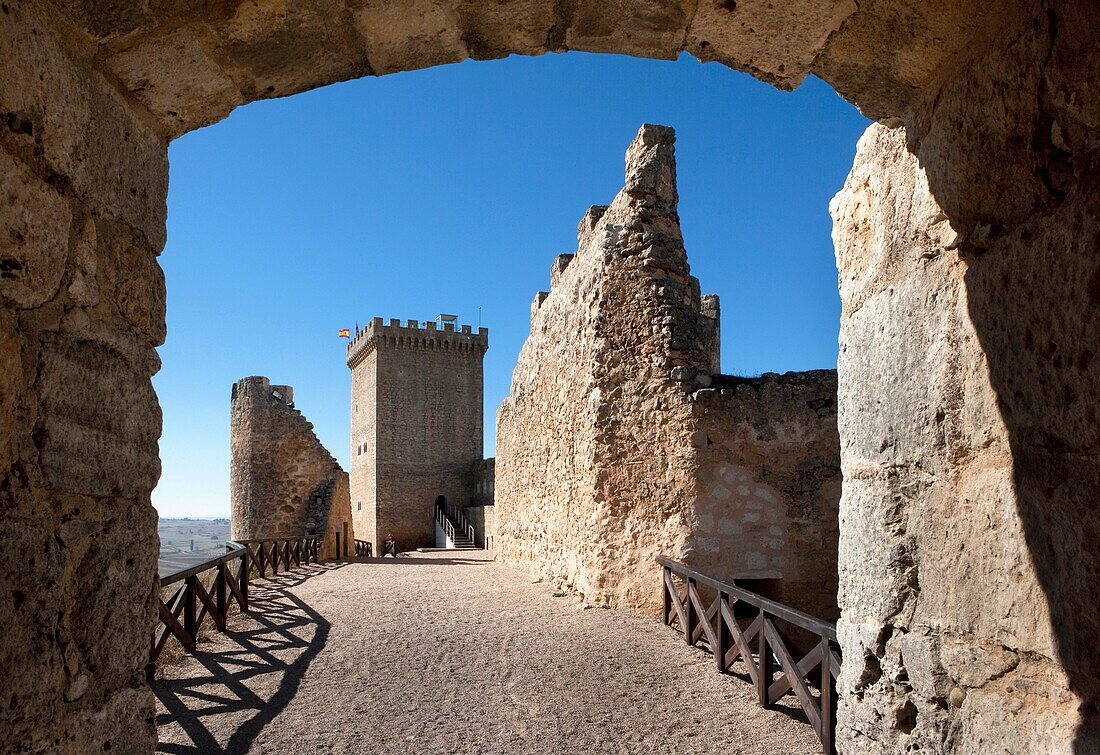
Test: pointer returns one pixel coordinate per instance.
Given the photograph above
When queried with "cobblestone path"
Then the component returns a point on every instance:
(446, 653)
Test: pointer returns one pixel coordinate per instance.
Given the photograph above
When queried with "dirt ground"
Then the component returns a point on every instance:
(457, 654)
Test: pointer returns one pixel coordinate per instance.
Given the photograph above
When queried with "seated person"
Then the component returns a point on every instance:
(390, 547)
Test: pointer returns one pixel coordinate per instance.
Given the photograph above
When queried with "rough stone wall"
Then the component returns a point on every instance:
(417, 432)
(1000, 105)
(613, 448)
(83, 179)
(969, 254)
(969, 498)
(769, 485)
(283, 483)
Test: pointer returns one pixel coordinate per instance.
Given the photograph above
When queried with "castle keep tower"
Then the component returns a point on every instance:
(416, 426)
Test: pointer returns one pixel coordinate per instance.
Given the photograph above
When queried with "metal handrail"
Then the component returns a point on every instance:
(448, 517)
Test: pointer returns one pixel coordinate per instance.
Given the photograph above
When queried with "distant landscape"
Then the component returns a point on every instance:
(185, 542)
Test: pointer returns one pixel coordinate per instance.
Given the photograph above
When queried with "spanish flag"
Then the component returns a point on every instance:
(345, 333)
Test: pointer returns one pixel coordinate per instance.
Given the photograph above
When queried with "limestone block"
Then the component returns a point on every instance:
(117, 595)
(29, 615)
(497, 29)
(135, 279)
(101, 421)
(645, 28)
(288, 46)
(84, 285)
(34, 235)
(886, 53)
(109, 18)
(180, 82)
(12, 385)
(776, 42)
(78, 129)
(403, 36)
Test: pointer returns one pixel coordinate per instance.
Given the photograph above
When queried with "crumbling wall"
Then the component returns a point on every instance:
(768, 457)
(283, 483)
(593, 467)
(613, 447)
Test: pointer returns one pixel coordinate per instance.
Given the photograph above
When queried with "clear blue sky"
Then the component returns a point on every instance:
(454, 188)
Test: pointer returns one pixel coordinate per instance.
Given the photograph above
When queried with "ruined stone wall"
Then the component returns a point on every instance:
(283, 483)
(768, 457)
(418, 430)
(613, 447)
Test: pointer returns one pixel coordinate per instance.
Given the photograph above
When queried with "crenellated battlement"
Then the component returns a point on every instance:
(415, 334)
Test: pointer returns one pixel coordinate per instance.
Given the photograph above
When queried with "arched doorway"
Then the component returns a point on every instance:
(968, 255)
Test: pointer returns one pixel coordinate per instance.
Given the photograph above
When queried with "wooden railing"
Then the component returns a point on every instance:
(364, 549)
(759, 645)
(276, 553)
(195, 601)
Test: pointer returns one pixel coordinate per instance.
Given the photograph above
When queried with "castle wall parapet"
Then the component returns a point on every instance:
(414, 334)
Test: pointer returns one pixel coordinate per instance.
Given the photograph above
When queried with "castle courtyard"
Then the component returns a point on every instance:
(440, 653)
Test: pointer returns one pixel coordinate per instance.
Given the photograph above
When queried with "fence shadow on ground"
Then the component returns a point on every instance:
(268, 649)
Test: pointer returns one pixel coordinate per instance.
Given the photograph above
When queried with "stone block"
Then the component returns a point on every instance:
(100, 421)
(649, 28)
(177, 79)
(34, 235)
(79, 131)
(288, 46)
(776, 42)
(405, 37)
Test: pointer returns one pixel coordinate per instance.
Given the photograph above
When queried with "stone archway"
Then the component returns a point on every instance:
(966, 237)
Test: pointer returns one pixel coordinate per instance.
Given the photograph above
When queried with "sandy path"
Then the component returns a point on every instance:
(453, 654)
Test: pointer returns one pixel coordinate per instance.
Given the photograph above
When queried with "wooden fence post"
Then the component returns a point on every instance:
(721, 635)
(828, 700)
(246, 566)
(666, 617)
(763, 663)
(189, 599)
(219, 597)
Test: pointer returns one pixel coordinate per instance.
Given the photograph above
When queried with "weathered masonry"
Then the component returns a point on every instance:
(619, 442)
(969, 270)
(283, 483)
(417, 398)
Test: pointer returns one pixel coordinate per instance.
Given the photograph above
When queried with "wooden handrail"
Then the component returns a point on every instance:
(794, 616)
(364, 549)
(759, 644)
(183, 613)
(192, 594)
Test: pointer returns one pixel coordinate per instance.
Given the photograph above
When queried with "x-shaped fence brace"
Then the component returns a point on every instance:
(760, 645)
